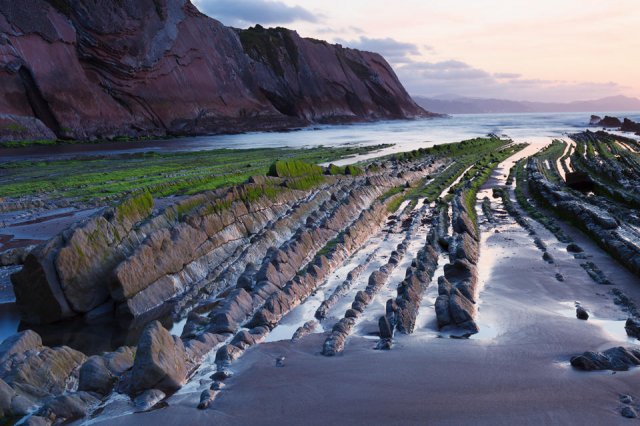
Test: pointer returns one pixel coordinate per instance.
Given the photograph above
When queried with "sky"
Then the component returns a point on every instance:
(545, 50)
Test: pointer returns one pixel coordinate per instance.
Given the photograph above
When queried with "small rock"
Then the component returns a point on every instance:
(352, 313)
(574, 248)
(95, 376)
(581, 313)
(37, 421)
(21, 406)
(559, 277)
(629, 412)
(217, 385)
(206, 398)
(626, 399)
(386, 332)
(632, 327)
(384, 344)
(280, 361)
(147, 400)
(221, 375)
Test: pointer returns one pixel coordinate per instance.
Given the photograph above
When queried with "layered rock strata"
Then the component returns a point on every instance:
(83, 69)
(457, 289)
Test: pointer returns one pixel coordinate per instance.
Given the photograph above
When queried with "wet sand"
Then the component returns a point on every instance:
(516, 373)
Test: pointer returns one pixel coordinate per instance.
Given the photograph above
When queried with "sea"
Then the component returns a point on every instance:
(406, 135)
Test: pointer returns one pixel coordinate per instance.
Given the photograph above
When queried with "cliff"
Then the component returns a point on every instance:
(95, 69)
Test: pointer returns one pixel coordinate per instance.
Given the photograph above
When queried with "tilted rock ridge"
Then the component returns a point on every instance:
(94, 69)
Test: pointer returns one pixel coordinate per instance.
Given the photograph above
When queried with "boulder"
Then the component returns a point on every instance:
(629, 412)
(386, 332)
(120, 360)
(227, 354)
(442, 311)
(632, 327)
(39, 296)
(609, 121)
(465, 248)
(6, 396)
(37, 421)
(581, 313)
(206, 398)
(616, 359)
(19, 343)
(148, 399)
(15, 256)
(461, 271)
(308, 328)
(574, 248)
(460, 309)
(595, 120)
(46, 372)
(95, 376)
(159, 362)
(68, 407)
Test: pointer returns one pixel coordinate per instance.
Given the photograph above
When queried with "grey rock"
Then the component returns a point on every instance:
(574, 248)
(629, 412)
(616, 359)
(280, 361)
(352, 313)
(221, 375)
(19, 343)
(206, 398)
(227, 354)
(69, 406)
(148, 399)
(46, 372)
(386, 332)
(37, 421)
(217, 385)
(95, 376)
(632, 327)
(21, 406)
(442, 311)
(160, 361)
(581, 313)
(6, 395)
(308, 328)
(626, 399)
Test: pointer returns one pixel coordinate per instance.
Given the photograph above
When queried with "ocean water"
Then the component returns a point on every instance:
(406, 135)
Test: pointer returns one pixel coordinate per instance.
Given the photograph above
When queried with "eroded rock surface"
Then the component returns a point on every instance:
(150, 67)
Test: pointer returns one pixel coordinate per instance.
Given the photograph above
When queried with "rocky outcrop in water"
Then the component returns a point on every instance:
(608, 121)
(81, 69)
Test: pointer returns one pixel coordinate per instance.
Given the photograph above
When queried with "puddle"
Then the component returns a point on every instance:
(613, 328)
(178, 327)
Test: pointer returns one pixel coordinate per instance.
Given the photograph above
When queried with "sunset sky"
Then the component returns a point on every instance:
(560, 50)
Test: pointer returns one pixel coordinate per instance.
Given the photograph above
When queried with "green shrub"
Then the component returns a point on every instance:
(293, 168)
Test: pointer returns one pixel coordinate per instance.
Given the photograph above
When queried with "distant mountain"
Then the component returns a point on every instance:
(487, 106)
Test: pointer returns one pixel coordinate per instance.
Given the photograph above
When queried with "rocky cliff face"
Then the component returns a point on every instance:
(91, 68)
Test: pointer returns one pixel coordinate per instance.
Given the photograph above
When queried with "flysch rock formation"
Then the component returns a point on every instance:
(82, 69)
(233, 263)
(457, 289)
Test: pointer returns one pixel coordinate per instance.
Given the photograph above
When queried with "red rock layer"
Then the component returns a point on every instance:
(91, 68)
